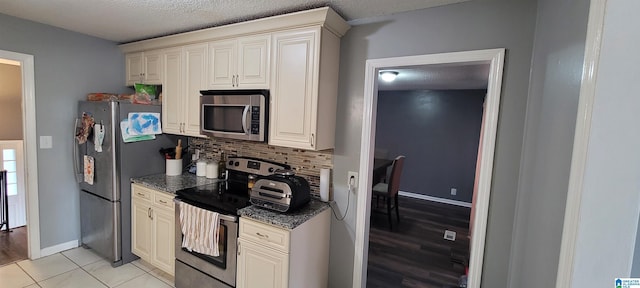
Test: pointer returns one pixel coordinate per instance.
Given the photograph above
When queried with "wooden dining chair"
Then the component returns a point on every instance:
(390, 189)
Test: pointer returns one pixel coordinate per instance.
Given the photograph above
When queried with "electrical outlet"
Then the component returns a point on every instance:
(454, 191)
(352, 178)
(450, 235)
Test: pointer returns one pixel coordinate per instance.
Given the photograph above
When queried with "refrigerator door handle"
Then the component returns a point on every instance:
(76, 156)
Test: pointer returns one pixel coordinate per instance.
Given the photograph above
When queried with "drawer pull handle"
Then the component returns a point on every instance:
(262, 235)
(140, 194)
(162, 201)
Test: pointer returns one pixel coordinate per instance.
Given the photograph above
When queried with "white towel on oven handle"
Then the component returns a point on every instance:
(199, 229)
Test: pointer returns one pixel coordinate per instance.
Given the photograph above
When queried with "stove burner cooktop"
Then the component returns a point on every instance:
(233, 194)
(219, 197)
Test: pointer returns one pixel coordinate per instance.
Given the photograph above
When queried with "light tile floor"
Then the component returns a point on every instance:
(81, 268)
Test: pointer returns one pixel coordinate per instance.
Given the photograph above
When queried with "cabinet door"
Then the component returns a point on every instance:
(261, 267)
(163, 239)
(153, 67)
(222, 65)
(141, 229)
(195, 80)
(172, 91)
(253, 62)
(134, 68)
(294, 89)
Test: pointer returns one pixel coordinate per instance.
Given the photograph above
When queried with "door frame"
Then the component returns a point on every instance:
(494, 57)
(29, 148)
(595, 29)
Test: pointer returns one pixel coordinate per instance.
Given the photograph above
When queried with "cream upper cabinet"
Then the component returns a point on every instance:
(153, 227)
(144, 67)
(304, 88)
(239, 63)
(185, 72)
(172, 91)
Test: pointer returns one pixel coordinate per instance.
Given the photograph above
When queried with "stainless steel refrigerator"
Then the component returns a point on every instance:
(105, 205)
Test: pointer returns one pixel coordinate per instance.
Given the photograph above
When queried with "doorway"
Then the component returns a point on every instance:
(29, 148)
(12, 161)
(495, 59)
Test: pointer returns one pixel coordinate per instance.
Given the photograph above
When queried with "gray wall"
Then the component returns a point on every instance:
(480, 24)
(10, 102)
(438, 131)
(67, 65)
(551, 114)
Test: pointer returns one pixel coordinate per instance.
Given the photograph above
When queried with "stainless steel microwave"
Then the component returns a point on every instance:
(237, 114)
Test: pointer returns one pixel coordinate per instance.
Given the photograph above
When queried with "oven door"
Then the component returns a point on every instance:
(222, 267)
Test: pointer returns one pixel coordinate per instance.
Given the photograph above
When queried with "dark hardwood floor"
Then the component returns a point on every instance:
(415, 253)
(13, 245)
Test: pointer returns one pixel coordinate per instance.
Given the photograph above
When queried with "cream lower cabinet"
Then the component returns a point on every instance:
(273, 257)
(304, 88)
(185, 74)
(152, 227)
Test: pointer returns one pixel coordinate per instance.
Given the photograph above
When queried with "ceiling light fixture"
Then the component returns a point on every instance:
(388, 76)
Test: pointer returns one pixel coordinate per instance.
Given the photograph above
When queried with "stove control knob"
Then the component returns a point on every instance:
(230, 162)
(236, 164)
(271, 169)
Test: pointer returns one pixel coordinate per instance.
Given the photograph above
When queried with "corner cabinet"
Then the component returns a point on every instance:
(152, 227)
(270, 256)
(240, 63)
(304, 88)
(144, 67)
(185, 74)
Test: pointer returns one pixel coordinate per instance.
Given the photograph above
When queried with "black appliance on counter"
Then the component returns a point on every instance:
(282, 192)
(225, 197)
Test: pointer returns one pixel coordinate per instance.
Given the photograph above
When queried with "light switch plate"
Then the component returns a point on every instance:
(46, 142)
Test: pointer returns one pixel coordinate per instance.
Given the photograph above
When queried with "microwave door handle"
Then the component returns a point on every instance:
(245, 113)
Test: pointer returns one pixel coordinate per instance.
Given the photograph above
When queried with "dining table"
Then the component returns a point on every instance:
(380, 166)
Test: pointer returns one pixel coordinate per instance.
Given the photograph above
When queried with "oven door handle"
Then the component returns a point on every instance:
(221, 216)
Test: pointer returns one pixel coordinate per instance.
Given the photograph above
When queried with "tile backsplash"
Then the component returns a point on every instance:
(305, 163)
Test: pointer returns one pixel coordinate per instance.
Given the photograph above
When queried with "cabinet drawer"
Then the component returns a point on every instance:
(164, 200)
(141, 192)
(267, 235)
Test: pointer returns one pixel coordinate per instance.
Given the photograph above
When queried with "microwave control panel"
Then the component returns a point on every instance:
(255, 120)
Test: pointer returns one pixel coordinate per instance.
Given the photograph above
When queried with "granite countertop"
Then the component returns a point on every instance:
(171, 184)
(284, 220)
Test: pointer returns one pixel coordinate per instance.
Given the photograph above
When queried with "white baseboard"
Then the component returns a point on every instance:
(58, 248)
(435, 199)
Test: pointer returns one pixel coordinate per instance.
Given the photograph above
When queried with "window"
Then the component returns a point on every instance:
(9, 163)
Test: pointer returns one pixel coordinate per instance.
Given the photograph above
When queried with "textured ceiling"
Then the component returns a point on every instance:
(131, 20)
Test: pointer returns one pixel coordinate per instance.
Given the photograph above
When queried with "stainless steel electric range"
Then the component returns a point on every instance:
(225, 197)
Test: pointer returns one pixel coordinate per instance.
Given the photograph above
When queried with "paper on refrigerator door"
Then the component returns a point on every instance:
(98, 136)
(144, 123)
(89, 169)
(128, 138)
